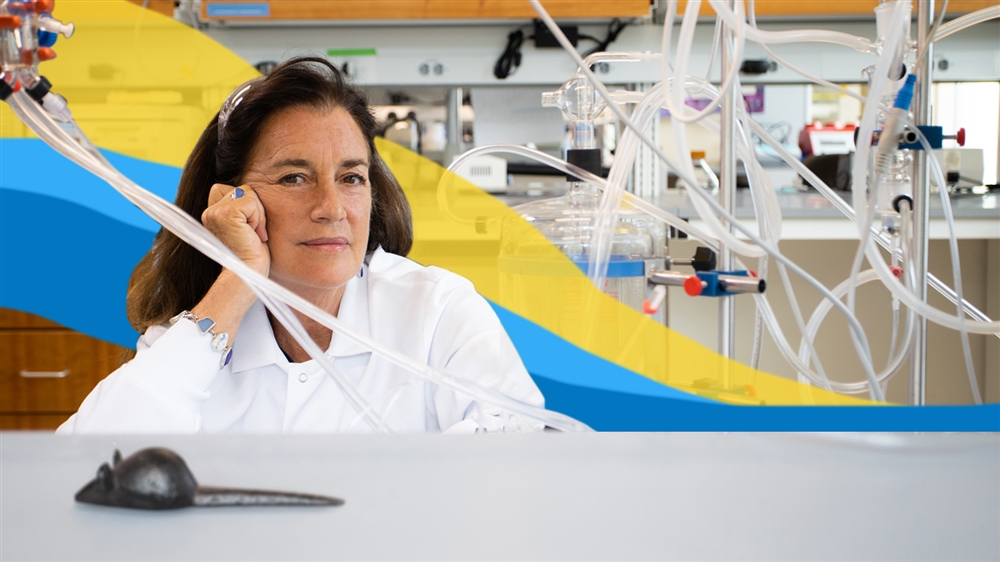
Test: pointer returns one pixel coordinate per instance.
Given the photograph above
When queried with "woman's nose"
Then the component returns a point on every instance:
(328, 205)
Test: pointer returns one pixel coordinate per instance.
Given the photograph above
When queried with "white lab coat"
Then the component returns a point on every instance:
(174, 385)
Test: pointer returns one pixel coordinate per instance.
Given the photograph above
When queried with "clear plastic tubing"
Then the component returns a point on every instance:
(771, 322)
(859, 44)
(956, 267)
(784, 63)
(759, 186)
(856, 327)
(675, 101)
(561, 165)
(704, 211)
(728, 238)
(621, 56)
(820, 313)
(900, 13)
(769, 218)
(767, 315)
(841, 205)
(967, 20)
(858, 333)
(610, 202)
(860, 190)
(871, 250)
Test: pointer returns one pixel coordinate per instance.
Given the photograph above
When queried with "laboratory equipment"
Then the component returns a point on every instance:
(892, 47)
(570, 223)
(405, 131)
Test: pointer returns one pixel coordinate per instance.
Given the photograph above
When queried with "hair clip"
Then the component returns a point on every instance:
(232, 102)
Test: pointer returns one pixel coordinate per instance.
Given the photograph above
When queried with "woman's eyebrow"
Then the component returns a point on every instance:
(292, 162)
(353, 163)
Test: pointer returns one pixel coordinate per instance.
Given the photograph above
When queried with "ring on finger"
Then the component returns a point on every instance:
(237, 193)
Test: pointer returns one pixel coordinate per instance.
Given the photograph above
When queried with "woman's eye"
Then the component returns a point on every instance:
(294, 179)
(355, 179)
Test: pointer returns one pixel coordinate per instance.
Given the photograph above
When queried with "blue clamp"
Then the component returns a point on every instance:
(713, 284)
(934, 134)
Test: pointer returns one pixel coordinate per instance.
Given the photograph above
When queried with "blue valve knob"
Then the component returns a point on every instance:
(46, 38)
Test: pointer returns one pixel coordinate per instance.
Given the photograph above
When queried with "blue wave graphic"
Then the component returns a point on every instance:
(608, 397)
(31, 166)
(68, 263)
(68, 247)
(606, 410)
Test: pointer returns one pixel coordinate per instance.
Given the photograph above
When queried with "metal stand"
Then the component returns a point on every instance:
(727, 198)
(647, 171)
(921, 207)
(453, 116)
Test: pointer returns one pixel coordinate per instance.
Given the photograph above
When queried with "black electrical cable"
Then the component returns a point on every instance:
(511, 57)
(614, 28)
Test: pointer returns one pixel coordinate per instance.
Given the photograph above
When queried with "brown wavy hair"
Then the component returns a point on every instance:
(174, 276)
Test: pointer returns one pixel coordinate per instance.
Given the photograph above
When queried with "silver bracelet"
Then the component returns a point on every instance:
(219, 341)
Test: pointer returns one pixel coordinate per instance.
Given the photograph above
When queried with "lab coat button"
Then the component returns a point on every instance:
(303, 377)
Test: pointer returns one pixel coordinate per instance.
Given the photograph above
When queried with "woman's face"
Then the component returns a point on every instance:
(310, 170)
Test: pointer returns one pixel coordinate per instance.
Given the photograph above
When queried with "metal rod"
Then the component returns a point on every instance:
(727, 198)
(453, 125)
(670, 278)
(921, 206)
(737, 284)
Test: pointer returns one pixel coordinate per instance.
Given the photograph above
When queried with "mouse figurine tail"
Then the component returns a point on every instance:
(220, 497)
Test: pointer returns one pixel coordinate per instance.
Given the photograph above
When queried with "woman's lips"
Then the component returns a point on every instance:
(337, 244)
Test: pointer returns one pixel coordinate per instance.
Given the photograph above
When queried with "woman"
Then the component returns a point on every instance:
(288, 178)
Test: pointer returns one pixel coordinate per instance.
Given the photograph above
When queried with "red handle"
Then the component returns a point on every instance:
(692, 286)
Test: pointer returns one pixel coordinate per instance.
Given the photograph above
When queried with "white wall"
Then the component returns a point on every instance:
(976, 107)
(829, 262)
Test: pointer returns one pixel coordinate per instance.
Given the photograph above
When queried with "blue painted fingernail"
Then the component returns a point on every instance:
(238, 193)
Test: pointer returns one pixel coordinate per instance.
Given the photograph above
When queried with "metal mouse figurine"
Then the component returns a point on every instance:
(159, 478)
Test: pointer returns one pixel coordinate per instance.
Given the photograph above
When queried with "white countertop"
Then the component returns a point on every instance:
(543, 496)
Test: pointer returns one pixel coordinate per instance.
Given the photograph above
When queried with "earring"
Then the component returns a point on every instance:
(361, 272)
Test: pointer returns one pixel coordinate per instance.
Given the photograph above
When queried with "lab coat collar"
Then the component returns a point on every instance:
(256, 347)
(355, 313)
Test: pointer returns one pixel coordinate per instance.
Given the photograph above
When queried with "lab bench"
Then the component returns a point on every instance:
(808, 215)
(525, 496)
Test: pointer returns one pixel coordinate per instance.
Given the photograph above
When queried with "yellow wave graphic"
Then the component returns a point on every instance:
(138, 83)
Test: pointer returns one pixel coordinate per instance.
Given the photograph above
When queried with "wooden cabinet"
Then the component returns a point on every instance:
(165, 7)
(47, 370)
(791, 8)
(347, 10)
(417, 9)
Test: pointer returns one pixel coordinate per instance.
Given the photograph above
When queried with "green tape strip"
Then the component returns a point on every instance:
(350, 52)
